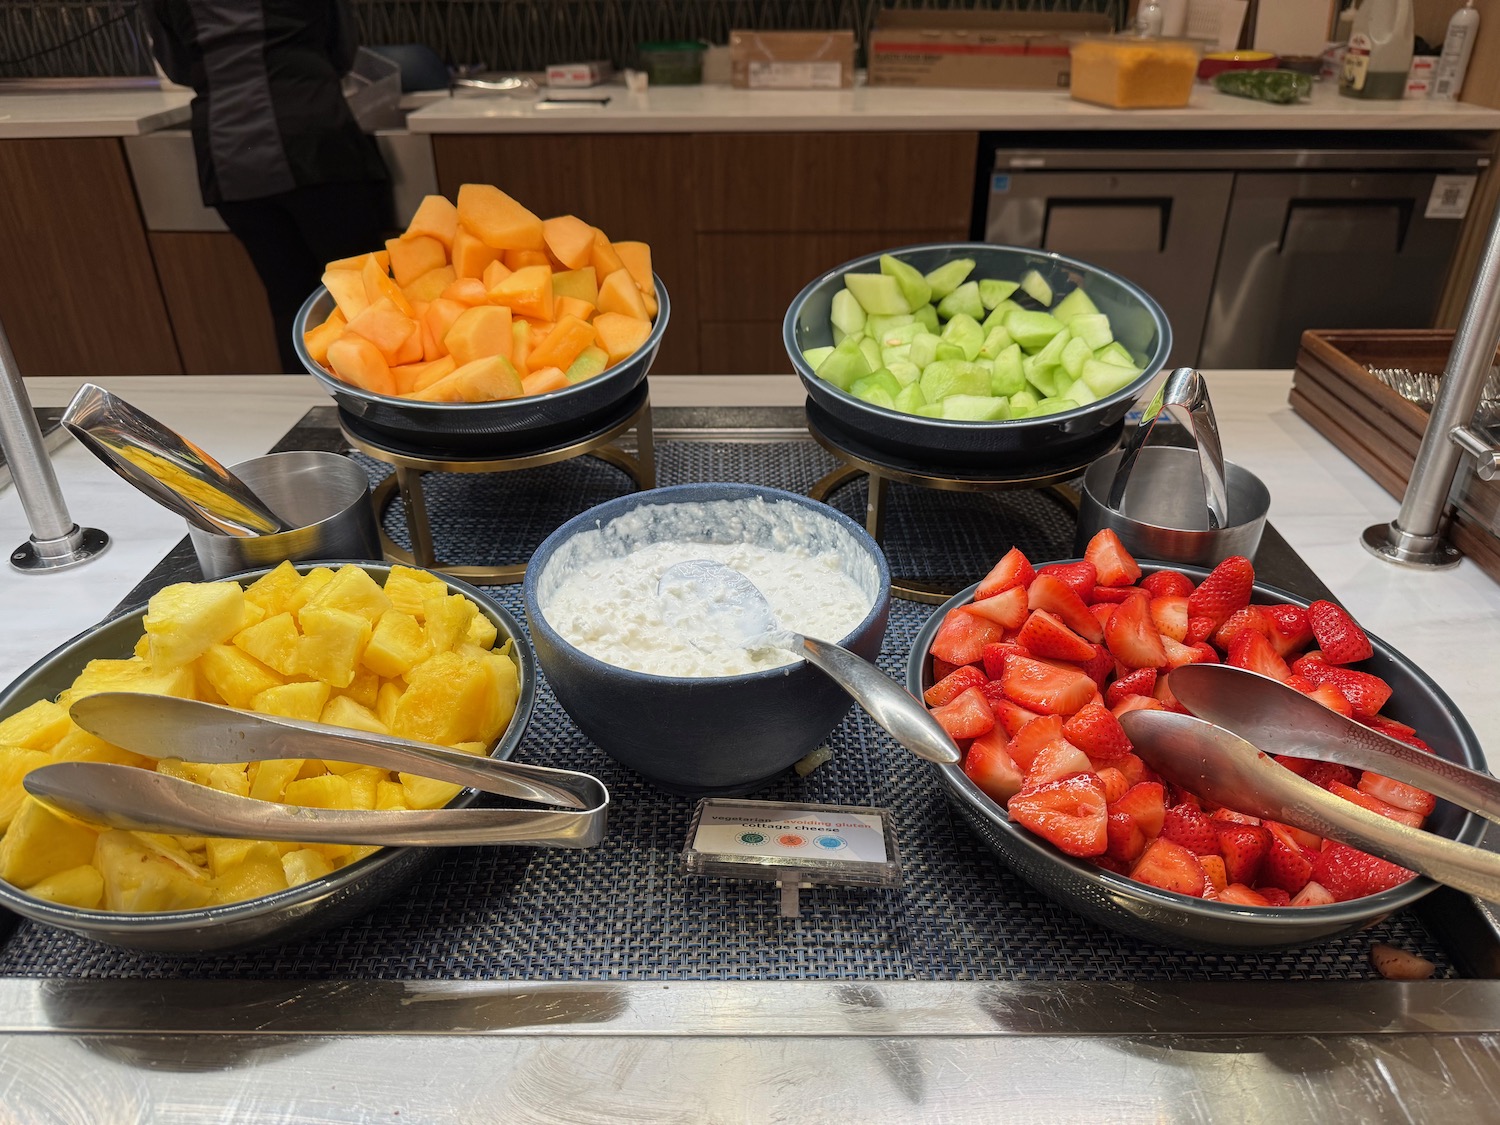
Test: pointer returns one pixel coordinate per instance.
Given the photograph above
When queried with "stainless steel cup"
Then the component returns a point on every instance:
(1168, 514)
(324, 496)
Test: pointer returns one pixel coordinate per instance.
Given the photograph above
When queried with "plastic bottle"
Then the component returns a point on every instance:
(1458, 45)
(1380, 50)
(1148, 18)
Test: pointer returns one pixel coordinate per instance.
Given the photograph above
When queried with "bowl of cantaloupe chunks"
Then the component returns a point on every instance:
(485, 326)
(358, 645)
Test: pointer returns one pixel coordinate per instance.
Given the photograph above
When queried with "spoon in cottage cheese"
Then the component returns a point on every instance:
(708, 600)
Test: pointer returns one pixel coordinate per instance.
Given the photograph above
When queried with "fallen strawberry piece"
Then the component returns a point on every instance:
(1348, 873)
(1059, 599)
(1057, 760)
(1290, 630)
(1191, 828)
(1314, 894)
(1097, 733)
(1044, 635)
(1070, 814)
(1013, 569)
(1376, 805)
(1170, 616)
(1239, 894)
(1398, 964)
(961, 638)
(989, 765)
(1006, 609)
(1171, 867)
(1255, 653)
(1285, 865)
(1342, 641)
(1029, 741)
(1244, 848)
(1114, 595)
(1167, 584)
(1115, 565)
(1124, 838)
(1227, 588)
(1213, 871)
(1132, 637)
(1141, 681)
(1113, 782)
(956, 681)
(1145, 802)
(1049, 688)
(967, 715)
(1081, 576)
(1397, 793)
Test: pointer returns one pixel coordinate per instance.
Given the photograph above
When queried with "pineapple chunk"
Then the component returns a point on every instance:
(229, 779)
(363, 784)
(331, 644)
(331, 791)
(141, 876)
(272, 591)
(390, 795)
(81, 746)
(131, 675)
(142, 647)
(409, 589)
(364, 688)
(427, 792)
(313, 581)
(15, 763)
(303, 866)
(478, 749)
(344, 712)
(37, 727)
(482, 631)
(80, 886)
(225, 853)
(447, 621)
(41, 842)
(184, 619)
(311, 767)
(196, 772)
(397, 643)
(385, 702)
(258, 873)
(443, 696)
(273, 643)
(353, 591)
(271, 778)
(254, 615)
(293, 701)
(236, 675)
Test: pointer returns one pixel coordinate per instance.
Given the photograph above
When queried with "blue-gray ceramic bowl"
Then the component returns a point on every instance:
(701, 735)
(1136, 320)
(531, 423)
(271, 919)
(1167, 918)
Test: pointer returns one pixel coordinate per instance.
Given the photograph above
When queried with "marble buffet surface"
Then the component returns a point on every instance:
(1445, 621)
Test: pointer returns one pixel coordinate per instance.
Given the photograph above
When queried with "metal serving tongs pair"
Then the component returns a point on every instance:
(161, 727)
(1220, 752)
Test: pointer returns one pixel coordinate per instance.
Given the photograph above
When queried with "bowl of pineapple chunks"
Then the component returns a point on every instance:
(365, 646)
(484, 326)
(969, 354)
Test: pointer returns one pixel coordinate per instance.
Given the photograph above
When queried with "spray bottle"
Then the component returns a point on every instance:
(1458, 45)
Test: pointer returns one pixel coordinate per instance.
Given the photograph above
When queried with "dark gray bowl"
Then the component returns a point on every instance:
(729, 734)
(271, 919)
(519, 424)
(1171, 919)
(1137, 321)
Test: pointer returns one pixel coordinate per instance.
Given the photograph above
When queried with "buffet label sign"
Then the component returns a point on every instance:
(748, 829)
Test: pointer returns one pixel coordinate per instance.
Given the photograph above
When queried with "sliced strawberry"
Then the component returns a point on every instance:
(1114, 783)
(993, 657)
(1125, 839)
(1167, 584)
(1191, 828)
(1114, 595)
(1399, 731)
(1206, 653)
(1199, 628)
(1097, 733)
(1300, 683)
(1009, 716)
(1145, 802)
(1313, 894)
(1013, 569)
(1376, 806)
(1286, 865)
(1179, 654)
(1171, 867)
(1250, 617)
(1135, 770)
(1229, 816)
(1057, 760)
(1028, 742)
(1252, 651)
(961, 638)
(1137, 703)
(941, 669)
(1101, 668)
(1274, 896)
(1081, 576)
(1227, 588)
(1059, 599)
(1132, 637)
(1114, 563)
(1170, 616)
(1142, 681)
(1348, 873)
(1238, 894)
(1044, 635)
(1006, 609)
(989, 765)
(1069, 814)
(1214, 871)
(1048, 688)
(1366, 694)
(1330, 697)
(967, 715)
(1166, 697)
(1325, 774)
(1307, 841)
(956, 681)
(1342, 641)
(1394, 792)
(1244, 847)
(1290, 630)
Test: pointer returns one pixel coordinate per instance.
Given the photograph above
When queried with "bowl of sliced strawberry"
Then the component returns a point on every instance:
(1029, 671)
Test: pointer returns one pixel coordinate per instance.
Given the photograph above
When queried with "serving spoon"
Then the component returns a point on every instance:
(714, 601)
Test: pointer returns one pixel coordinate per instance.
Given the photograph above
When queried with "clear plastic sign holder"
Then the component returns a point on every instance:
(796, 846)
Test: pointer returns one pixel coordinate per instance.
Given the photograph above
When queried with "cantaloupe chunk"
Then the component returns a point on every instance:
(431, 349)
(620, 335)
(357, 263)
(604, 259)
(478, 332)
(386, 327)
(569, 336)
(520, 259)
(441, 315)
(485, 380)
(471, 255)
(637, 259)
(570, 239)
(378, 284)
(619, 294)
(436, 217)
(467, 291)
(520, 352)
(572, 306)
(497, 220)
(348, 289)
(528, 291)
(429, 287)
(360, 363)
(317, 340)
(543, 380)
(414, 376)
(590, 362)
(494, 273)
(581, 284)
(412, 257)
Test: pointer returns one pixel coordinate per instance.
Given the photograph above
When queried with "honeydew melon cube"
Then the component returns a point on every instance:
(964, 331)
(1032, 330)
(930, 410)
(1054, 406)
(995, 342)
(905, 372)
(1034, 285)
(910, 398)
(1051, 353)
(844, 365)
(1115, 353)
(881, 380)
(924, 349)
(1042, 378)
(878, 326)
(927, 316)
(964, 299)
(1080, 392)
(846, 313)
(839, 336)
(1107, 378)
(992, 291)
(879, 396)
(871, 351)
(949, 377)
(1006, 374)
(913, 285)
(894, 335)
(976, 408)
(997, 316)
(1076, 303)
(1092, 328)
(947, 350)
(889, 356)
(1073, 355)
(1022, 403)
(877, 293)
(949, 276)
(816, 356)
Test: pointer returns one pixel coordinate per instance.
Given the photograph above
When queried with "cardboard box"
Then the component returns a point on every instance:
(791, 60)
(978, 50)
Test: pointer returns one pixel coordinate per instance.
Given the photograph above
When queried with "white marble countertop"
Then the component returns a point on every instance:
(1320, 501)
(91, 113)
(695, 109)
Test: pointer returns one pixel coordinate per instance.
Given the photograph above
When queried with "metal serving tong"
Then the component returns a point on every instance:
(1184, 395)
(1221, 753)
(162, 727)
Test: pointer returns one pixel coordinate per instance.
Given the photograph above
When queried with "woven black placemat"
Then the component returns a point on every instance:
(624, 910)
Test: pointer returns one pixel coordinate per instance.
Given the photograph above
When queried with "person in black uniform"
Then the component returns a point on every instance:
(280, 156)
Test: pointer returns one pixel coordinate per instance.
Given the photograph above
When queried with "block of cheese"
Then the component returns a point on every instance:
(1133, 73)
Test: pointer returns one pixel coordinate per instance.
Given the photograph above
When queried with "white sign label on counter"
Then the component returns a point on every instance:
(745, 829)
(1450, 196)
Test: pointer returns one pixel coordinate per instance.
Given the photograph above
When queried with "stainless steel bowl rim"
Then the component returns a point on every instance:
(309, 894)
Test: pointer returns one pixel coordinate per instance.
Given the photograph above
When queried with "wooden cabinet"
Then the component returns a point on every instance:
(79, 292)
(216, 303)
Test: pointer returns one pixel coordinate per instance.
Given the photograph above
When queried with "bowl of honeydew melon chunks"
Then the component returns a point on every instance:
(969, 353)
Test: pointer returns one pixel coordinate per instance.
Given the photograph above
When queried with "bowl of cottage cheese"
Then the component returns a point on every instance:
(693, 711)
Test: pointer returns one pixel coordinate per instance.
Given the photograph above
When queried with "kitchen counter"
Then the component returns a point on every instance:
(90, 113)
(710, 109)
